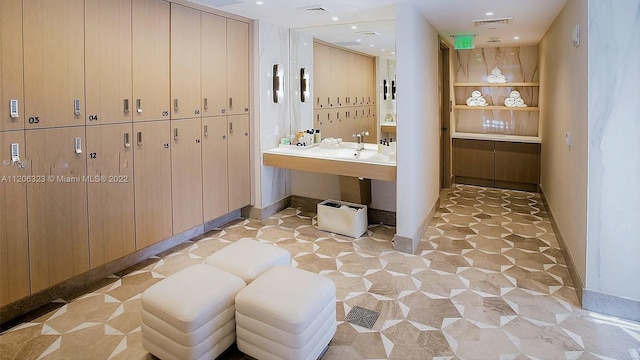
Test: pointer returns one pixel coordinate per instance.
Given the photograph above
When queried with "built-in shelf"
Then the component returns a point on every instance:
(497, 137)
(495, 107)
(511, 84)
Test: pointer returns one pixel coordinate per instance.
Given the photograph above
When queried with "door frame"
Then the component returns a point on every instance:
(446, 108)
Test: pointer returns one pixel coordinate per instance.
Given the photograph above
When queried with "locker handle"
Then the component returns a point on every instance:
(231, 127)
(206, 103)
(206, 130)
(230, 103)
(138, 106)
(127, 143)
(76, 106)
(125, 105)
(175, 104)
(78, 145)
(175, 134)
(139, 138)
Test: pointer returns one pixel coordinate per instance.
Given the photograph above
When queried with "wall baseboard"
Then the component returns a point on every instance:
(410, 245)
(374, 216)
(252, 212)
(611, 305)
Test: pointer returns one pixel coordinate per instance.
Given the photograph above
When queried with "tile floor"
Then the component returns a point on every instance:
(488, 282)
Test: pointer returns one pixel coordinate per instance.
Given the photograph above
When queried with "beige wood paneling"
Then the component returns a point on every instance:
(339, 67)
(214, 65)
(215, 181)
(473, 159)
(186, 59)
(186, 174)
(354, 80)
(11, 64)
(239, 162)
(517, 162)
(237, 67)
(321, 75)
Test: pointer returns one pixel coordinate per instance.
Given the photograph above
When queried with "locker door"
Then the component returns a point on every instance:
(108, 61)
(185, 62)
(150, 60)
(11, 62)
(239, 162)
(186, 174)
(214, 65)
(332, 123)
(57, 209)
(110, 192)
(339, 66)
(368, 80)
(237, 67)
(14, 256)
(371, 124)
(53, 63)
(321, 75)
(152, 182)
(215, 184)
(354, 80)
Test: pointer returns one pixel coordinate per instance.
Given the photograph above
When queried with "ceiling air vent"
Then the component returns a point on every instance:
(348, 43)
(368, 33)
(494, 40)
(315, 9)
(499, 21)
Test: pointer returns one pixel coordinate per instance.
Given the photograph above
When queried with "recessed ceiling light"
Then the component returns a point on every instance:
(358, 40)
(259, 2)
(353, 27)
(393, 53)
(516, 38)
(335, 18)
(383, 49)
(489, 13)
(371, 45)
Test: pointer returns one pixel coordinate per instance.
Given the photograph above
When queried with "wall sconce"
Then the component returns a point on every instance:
(393, 90)
(278, 84)
(304, 85)
(385, 89)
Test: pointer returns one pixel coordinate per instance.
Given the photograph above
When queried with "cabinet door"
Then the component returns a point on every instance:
(321, 121)
(368, 80)
(339, 87)
(473, 161)
(14, 258)
(517, 163)
(53, 62)
(348, 123)
(214, 65)
(354, 79)
(11, 61)
(150, 60)
(321, 76)
(239, 162)
(186, 174)
(185, 62)
(57, 209)
(371, 124)
(110, 193)
(152, 182)
(215, 184)
(331, 123)
(108, 61)
(237, 67)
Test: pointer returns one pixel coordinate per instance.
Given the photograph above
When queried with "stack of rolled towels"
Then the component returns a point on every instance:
(496, 77)
(514, 100)
(476, 99)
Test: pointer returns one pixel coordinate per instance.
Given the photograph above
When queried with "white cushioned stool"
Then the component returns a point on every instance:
(249, 258)
(190, 314)
(286, 313)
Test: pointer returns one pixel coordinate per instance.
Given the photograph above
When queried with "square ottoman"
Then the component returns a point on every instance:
(190, 314)
(286, 313)
(249, 258)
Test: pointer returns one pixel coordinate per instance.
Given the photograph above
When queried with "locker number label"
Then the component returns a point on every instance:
(165, 113)
(196, 112)
(34, 119)
(93, 117)
(93, 155)
(166, 145)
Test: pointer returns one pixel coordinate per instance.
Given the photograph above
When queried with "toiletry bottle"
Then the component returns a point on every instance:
(316, 137)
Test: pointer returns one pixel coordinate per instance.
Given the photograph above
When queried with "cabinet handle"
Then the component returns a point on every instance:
(76, 106)
(175, 134)
(139, 138)
(138, 106)
(338, 100)
(175, 104)
(230, 103)
(231, 127)
(127, 143)
(125, 105)
(206, 103)
(206, 130)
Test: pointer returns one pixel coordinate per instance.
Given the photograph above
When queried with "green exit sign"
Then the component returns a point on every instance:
(463, 42)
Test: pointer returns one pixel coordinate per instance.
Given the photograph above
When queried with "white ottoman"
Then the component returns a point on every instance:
(286, 313)
(190, 314)
(248, 258)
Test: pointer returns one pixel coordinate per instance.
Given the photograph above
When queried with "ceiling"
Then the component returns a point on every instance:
(369, 25)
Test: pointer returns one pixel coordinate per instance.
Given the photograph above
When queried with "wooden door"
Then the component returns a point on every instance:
(150, 60)
(321, 76)
(14, 245)
(110, 192)
(214, 65)
(368, 80)
(108, 61)
(185, 62)
(348, 123)
(152, 182)
(331, 123)
(237, 67)
(239, 162)
(53, 63)
(11, 62)
(186, 174)
(339, 87)
(215, 181)
(354, 78)
(370, 124)
(57, 209)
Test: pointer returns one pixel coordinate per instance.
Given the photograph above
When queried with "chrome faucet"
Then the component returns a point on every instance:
(360, 139)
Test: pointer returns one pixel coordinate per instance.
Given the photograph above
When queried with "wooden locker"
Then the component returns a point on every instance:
(239, 162)
(339, 87)
(237, 67)
(331, 122)
(354, 79)
(185, 62)
(371, 124)
(151, 87)
(53, 63)
(321, 76)
(57, 209)
(186, 174)
(108, 61)
(14, 243)
(215, 181)
(11, 62)
(321, 121)
(152, 182)
(368, 80)
(214, 65)
(110, 192)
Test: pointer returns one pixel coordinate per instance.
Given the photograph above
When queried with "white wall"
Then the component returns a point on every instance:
(417, 50)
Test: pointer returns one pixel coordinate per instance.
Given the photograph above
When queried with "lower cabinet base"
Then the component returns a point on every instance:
(11, 313)
(496, 183)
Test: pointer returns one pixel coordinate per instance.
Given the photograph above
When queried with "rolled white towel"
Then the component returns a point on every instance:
(515, 94)
(472, 101)
(520, 102)
(481, 102)
(501, 79)
(496, 72)
(476, 94)
(492, 79)
(509, 102)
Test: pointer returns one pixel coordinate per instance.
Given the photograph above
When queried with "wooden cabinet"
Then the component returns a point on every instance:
(53, 63)
(355, 81)
(215, 181)
(151, 91)
(108, 61)
(11, 62)
(186, 174)
(368, 81)
(517, 163)
(57, 208)
(239, 162)
(152, 182)
(237, 67)
(110, 192)
(14, 246)
(214, 65)
(185, 62)
(473, 162)
(322, 75)
(339, 68)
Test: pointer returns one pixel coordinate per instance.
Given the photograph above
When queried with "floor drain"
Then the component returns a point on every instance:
(362, 317)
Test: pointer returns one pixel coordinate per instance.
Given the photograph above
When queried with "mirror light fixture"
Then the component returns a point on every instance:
(393, 89)
(385, 89)
(304, 85)
(278, 83)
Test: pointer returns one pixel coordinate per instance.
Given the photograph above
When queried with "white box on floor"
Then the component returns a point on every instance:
(342, 217)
